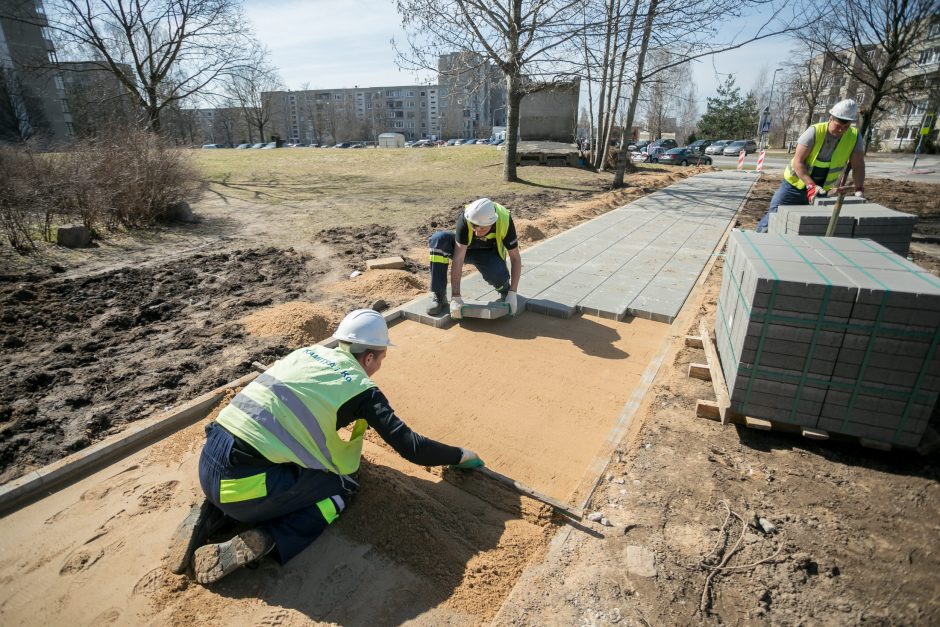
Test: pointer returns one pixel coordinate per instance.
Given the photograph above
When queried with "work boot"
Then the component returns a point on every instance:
(202, 521)
(437, 305)
(214, 561)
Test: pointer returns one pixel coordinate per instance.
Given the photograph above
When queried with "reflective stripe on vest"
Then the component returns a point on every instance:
(288, 414)
(840, 156)
(502, 228)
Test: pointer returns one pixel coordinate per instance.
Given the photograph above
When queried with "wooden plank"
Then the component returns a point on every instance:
(718, 380)
(815, 434)
(708, 409)
(700, 371)
(758, 423)
(693, 341)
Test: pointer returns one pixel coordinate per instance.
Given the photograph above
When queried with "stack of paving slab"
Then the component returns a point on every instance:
(838, 335)
(892, 229)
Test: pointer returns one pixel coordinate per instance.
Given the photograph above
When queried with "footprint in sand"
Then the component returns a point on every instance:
(83, 559)
(156, 497)
(107, 617)
(275, 618)
(120, 480)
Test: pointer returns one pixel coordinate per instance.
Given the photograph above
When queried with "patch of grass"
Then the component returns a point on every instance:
(336, 186)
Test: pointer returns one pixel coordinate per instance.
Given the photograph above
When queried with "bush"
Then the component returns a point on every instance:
(129, 181)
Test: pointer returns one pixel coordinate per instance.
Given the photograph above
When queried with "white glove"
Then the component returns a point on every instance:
(455, 304)
(513, 301)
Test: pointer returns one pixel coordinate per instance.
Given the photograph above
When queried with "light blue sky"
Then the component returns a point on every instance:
(346, 43)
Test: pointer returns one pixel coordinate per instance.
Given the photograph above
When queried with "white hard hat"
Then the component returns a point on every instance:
(365, 328)
(480, 212)
(845, 110)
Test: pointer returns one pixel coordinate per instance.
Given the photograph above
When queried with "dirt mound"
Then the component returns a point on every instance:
(301, 324)
(529, 232)
(389, 285)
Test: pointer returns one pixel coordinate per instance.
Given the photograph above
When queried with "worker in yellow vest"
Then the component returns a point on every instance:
(821, 154)
(273, 457)
(485, 236)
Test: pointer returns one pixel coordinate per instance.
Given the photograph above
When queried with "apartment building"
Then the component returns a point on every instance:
(329, 116)
(33, 102)
(899, 126)
(97, 100)
(477, 91)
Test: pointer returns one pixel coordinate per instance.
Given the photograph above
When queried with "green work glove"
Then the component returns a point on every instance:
(469, 460)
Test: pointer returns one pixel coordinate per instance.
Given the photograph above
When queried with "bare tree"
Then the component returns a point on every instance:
(806, 79)
(175, 48)
(517, 36)
(248, 85)
(682, 27)
(873, 41)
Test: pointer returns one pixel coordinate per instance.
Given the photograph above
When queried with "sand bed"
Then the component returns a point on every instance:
(417, 544)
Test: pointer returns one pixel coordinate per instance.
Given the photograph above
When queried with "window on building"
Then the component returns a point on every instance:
(69, 129)
(65, 105)
(337, 96)
(59, 83)
(422, 93)
(410, 104)
(916, 108)
(930, 56)
(410, 114)
(411, 93)
(905, 132)
(886, 134)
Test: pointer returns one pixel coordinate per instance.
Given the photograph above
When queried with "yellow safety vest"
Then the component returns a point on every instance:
(499, 233)
(288, 414)
(840, 156)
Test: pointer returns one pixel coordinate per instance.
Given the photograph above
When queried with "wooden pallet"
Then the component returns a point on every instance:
(719, 410)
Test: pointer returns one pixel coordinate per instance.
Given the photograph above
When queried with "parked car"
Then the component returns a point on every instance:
(211, 146)
(452, 142)
(684, 156)
(634, 147)
(242, 146)
(665, 143)
(258, 145)
(699, 145)
(358, 145)
(747, 145)
(423, 143)
(652, 153)
(717, 147)
(343, 145)
(269, 146)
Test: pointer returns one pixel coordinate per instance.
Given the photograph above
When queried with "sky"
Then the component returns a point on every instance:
(347, 43)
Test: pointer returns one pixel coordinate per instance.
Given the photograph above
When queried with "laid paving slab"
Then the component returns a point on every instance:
(639, 260)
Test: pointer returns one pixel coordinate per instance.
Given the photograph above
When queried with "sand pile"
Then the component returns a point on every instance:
(300, 323)
(390, 285)
(529, 232)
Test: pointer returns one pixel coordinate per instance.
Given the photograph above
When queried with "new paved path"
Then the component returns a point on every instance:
(639, 260)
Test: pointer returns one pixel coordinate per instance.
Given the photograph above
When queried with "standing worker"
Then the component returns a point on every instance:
(273, 457)
(821, 154)
(485, 236)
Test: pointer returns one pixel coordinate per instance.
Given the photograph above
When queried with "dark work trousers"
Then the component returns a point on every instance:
(786, 194)
(289, 511)
(492, 267)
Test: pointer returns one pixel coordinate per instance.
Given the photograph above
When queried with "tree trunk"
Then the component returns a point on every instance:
(622, 158)
(513, 104)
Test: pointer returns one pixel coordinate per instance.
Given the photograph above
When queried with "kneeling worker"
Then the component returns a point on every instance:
(273, 457)
(485, 236)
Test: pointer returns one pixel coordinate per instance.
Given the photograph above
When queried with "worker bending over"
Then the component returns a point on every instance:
(821, 154)
(273, 457)
(485, 236)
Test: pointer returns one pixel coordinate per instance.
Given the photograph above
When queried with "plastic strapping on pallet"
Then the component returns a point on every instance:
(819, 320)
(893, 258)
(763, 331)
(871, 341)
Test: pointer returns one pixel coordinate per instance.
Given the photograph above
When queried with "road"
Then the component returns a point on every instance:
(895, 167)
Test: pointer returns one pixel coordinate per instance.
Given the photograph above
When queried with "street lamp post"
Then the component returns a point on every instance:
(764, 129)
